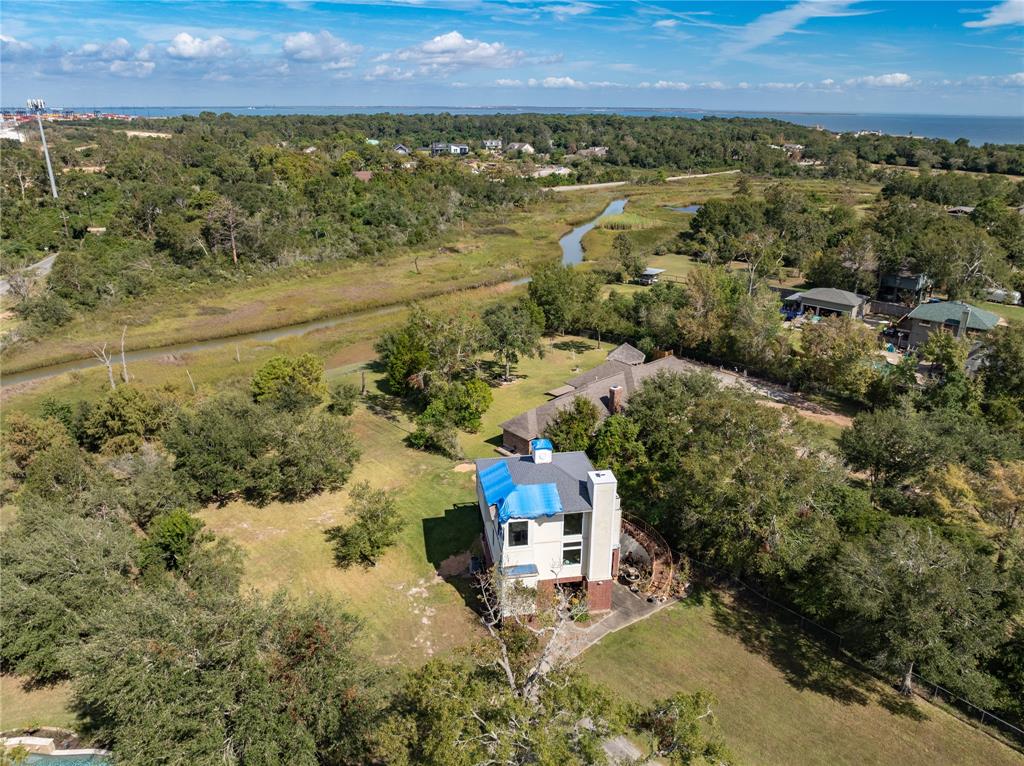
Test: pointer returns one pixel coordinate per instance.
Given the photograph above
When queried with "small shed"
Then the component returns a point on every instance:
(650, 276)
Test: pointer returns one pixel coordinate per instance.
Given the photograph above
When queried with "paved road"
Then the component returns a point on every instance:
(39, 269)
(613, 184)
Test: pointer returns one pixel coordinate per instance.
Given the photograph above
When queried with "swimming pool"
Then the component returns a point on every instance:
(70, 759)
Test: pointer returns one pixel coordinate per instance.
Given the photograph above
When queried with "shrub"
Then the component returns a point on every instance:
(343, 398)
(375, 527)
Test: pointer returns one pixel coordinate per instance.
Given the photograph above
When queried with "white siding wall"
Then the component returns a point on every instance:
(544, 549)
(604, 534)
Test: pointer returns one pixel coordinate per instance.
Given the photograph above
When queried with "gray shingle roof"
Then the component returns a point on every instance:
(830, 295)
(567, 470)
(626, 353)
(531, 424)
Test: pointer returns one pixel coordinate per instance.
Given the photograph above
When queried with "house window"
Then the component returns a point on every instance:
(572, 553)
(518, 533)
(572, 524)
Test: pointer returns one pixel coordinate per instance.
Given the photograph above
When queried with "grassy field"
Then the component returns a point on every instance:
(781, 700)
(1009, 313)
(492, 249)
(20, 708)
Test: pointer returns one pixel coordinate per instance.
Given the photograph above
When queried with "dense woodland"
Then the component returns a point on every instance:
(227, 196)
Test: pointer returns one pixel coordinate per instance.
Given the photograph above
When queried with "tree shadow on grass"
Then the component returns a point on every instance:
(449, 542)
(804, 663)
(578, 346)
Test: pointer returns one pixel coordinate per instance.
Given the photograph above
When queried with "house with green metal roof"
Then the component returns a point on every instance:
(954, 317)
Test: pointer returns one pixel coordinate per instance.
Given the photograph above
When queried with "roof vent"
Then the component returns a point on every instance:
(541, 450)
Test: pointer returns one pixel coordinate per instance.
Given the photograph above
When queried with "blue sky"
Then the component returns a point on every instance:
(955, 57)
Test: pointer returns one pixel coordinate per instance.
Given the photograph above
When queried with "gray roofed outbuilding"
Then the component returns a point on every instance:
(627, 354)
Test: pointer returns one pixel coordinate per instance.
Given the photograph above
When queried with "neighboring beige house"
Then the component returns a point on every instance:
(608, 386)
(550, 519)
(517, 146)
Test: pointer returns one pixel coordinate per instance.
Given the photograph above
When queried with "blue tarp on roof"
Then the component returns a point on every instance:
(536, 444)
(518, 501)
(530, 501)
(497, 483)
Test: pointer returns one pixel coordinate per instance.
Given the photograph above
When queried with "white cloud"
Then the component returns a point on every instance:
(132, 68)
(452, 51)
(115, 49)
(11, 48)
(666, 23)
(891, 80)
(714, 85)
(185, 46)
(557, 82)
(506, 83)
(1017, 78)
(333, 52)
(385, 72)
(567, 10)
(665, 85)
(117, 57)
(770, 26)
(1004, 14)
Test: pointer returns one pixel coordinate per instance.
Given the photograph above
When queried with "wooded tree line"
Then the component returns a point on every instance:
(920, 564)
(835, 247)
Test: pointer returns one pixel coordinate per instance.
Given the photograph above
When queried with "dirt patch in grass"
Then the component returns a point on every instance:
(455, 565)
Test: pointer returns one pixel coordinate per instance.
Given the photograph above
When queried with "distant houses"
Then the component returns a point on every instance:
(402, 149)
(518, 146)
(649, 276)
(492, 144)
(593, 151)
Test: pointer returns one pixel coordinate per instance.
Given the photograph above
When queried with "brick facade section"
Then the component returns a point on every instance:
(599, 595)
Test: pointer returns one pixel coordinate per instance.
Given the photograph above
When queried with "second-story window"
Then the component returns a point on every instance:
(518, 533)
(572, 524)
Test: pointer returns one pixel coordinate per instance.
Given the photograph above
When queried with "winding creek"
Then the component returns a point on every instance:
(572, 253)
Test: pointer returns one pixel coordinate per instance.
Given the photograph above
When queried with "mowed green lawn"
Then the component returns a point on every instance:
(782, 701)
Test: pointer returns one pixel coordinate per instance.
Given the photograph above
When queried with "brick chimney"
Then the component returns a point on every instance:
(616, 396)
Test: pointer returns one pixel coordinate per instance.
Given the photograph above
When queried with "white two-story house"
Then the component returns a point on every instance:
(551, 518)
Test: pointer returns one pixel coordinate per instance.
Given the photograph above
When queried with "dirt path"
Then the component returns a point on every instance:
(613, 184)
(37, 269)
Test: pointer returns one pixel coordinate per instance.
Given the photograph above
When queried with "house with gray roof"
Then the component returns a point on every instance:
(608, 386)
(960, 319)
(829, 301)
(550, 518)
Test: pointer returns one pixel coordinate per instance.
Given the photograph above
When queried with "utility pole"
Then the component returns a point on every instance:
(37, 105)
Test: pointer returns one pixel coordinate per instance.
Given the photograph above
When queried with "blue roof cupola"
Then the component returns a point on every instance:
(541, 449)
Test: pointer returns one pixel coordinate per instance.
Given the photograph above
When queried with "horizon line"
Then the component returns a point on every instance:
(538, 106)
